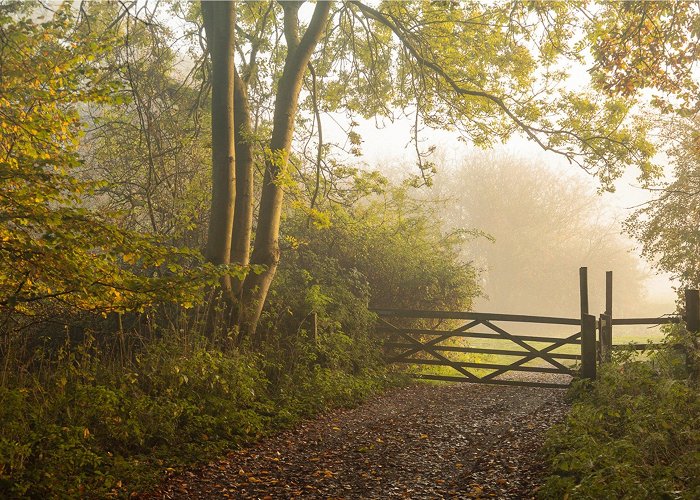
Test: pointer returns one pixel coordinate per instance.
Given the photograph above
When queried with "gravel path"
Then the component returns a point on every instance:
(421, 441)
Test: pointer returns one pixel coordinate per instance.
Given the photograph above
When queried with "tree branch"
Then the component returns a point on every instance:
(456, 87)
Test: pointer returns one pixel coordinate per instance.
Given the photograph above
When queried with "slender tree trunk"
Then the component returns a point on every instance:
(219, 25)
(266, 246)
(243, 213)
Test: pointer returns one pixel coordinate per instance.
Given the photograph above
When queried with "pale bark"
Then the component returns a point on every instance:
(266, 246)
(219, 24)
(243, 214)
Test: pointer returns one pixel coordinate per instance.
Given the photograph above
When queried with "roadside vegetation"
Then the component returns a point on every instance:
(632, 433)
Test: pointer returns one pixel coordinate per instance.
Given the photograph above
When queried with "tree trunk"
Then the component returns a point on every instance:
(243, 213)
(219, 25)
(266, 247)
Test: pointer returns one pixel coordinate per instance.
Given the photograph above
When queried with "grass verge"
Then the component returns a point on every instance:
(633, 433)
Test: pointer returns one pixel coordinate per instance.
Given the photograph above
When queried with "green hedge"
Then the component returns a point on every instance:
(85, 429)
(633, 433)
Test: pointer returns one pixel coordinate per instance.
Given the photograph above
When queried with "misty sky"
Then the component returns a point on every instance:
(389, 148)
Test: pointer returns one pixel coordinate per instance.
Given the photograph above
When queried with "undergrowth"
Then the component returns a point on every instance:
(84, 428)
(633, 433)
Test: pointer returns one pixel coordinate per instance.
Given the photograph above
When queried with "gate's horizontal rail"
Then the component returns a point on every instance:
(479, 350)
(525, 383)
(486, 366)
(476, 335)
(518, 318)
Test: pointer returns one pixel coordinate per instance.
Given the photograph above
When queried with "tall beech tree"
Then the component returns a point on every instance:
(485, 70)
(266, 246)
(219, 24)
(243, 209)
(300, 47)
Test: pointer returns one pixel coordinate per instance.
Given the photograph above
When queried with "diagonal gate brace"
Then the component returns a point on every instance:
(530, 357)
(538, 353)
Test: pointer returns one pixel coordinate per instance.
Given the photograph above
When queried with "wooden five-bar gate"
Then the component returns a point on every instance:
(429, 337)
(410, 345)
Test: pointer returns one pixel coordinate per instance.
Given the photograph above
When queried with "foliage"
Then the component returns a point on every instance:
(76, 429)
(490, 70)
(382, 251)
(88, 427)
(487, 70)
(633, 433)
(648, 45)
(667, 226)
(55, 249)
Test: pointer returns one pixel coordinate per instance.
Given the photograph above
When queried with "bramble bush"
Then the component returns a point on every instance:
(383, 251)
(633, 433)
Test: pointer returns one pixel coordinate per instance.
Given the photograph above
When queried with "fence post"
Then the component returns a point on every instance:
(588, 347)
(609, 304)
(583, 287)
(605, 338)
(692, 310)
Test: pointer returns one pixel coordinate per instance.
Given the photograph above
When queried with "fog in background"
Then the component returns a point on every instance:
(544, 225)
(546, 218)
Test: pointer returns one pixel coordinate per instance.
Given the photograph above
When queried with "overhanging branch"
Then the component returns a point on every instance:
(530, 131)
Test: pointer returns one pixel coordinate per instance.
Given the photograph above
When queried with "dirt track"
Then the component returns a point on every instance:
(423, 441)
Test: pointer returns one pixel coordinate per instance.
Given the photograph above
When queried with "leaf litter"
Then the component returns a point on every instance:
(421, 441)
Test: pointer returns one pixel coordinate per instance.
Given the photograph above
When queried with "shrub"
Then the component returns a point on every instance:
(87, 427)
(633, 433)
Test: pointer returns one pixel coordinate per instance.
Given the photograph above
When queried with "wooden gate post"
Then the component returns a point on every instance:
(583, 287)
(588, 347)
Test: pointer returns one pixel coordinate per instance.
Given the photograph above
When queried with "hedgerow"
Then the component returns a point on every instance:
(633, 433)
